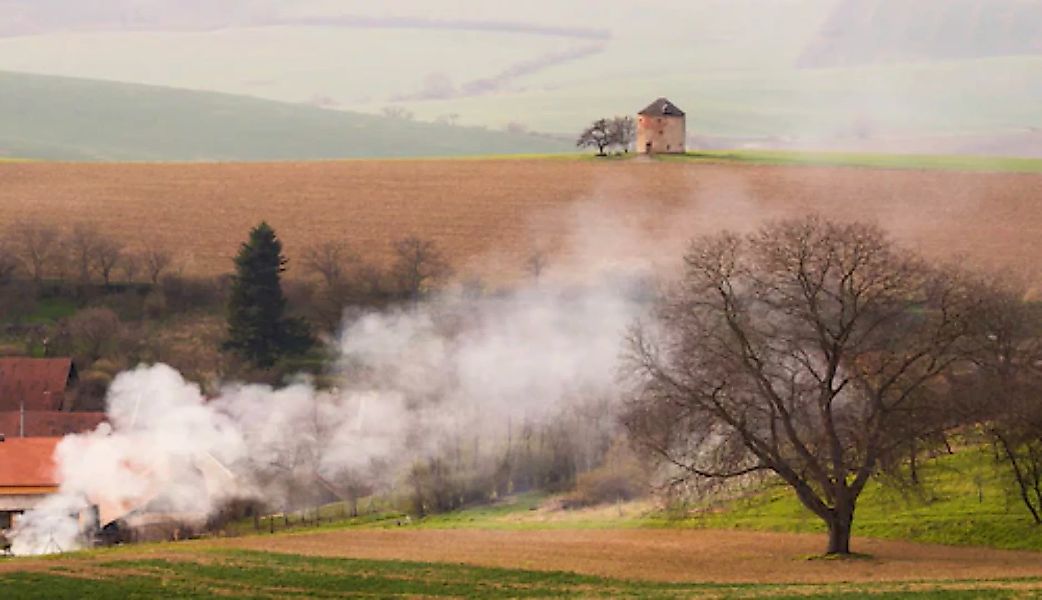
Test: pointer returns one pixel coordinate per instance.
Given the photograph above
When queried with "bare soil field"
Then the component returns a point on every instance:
(661, 555)
(490, 215)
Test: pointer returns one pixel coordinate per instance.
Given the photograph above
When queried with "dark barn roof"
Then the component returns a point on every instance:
(48, 423)
(38, 382)
(662, 108)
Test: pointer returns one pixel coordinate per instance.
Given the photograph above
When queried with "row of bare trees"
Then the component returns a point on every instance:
(345, 279)
(82, 254)
(821, 353)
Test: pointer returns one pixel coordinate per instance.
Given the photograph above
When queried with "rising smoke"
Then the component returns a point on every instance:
(408, 381)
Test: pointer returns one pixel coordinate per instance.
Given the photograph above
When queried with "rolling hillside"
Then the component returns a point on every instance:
(60, 118)
(879, 31)
(937, 76)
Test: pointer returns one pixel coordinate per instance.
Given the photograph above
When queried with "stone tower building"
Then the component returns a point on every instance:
(661, 129)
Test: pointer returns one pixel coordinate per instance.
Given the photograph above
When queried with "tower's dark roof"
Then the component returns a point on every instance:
(662, 108)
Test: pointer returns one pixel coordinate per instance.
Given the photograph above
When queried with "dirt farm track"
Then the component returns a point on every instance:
(490, 215)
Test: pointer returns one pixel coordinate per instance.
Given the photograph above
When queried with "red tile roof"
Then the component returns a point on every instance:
(28, 462)
(38, 382)
(49, 423)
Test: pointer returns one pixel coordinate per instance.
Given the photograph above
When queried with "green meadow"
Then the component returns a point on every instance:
(239, 574)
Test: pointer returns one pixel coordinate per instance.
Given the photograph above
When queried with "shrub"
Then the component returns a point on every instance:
(94, 333)
(155, 305)
(621, 478)
(91, 390)
(185, 294)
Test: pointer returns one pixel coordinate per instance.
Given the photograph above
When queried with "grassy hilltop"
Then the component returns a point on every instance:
(61, 118)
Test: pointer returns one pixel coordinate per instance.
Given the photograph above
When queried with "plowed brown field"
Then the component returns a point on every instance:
(489, 214)
(661, 555)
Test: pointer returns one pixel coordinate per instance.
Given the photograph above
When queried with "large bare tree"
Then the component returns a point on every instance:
(336, 266)
(329, 261)
(108, 254)
(8, 263)
(95, 333)
(1001, 393)
(803, 350)
(37, 246)
(156, 261)
(419, 265)
(84, 241)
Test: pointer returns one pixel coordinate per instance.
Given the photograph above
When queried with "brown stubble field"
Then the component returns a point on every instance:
(668, 555)
(490, 215)
(656, 555)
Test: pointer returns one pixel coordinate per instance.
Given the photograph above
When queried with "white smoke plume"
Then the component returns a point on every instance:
(407, 380)
(409, 383)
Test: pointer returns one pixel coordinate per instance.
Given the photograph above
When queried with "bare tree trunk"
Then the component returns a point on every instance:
(1021, 479)
(839, 520)
(913, 462)
(840, 527)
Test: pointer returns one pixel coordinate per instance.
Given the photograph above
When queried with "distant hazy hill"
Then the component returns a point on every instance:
(19, 17)
(870, 31)
(75, 119)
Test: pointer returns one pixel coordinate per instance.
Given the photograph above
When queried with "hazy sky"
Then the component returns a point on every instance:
(617, 17)
(747, 68)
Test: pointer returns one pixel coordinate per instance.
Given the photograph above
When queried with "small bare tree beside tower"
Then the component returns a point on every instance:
(605, 134)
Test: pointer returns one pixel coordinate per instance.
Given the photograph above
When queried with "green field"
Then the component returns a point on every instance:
(867, 160)
(239, 574)
(75, 119)
(964, 499)
(51, 310)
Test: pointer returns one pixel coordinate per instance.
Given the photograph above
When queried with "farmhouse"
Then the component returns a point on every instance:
(661, 128)
(27, 475)
(35, 384)
(33, 396)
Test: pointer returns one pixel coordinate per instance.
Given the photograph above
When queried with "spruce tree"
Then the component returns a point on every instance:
(257, 327)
